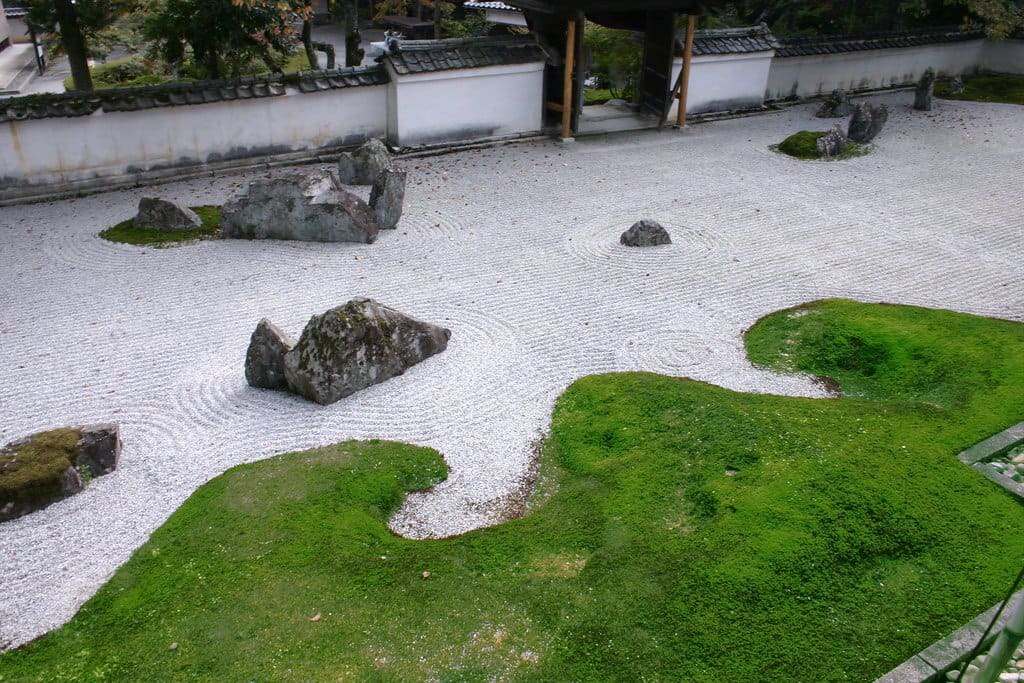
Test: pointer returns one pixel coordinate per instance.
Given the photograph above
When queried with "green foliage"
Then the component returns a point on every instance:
(30, 472)
(683, 532)
(596, 96)
(1004, 88)
(616, 59)
(804, 145)
(125, 232)
(472, 25)
(221, 35)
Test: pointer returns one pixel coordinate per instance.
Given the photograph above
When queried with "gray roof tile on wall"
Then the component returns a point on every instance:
(729, 41)
(826, 45)
(181, 94)
(425, 56)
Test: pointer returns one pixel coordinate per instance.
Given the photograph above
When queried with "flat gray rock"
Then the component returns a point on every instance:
(362, 166)
(354, 346)
(264, 360)
(165, 215)
(645, 233)
(308, 207)
(387, 196)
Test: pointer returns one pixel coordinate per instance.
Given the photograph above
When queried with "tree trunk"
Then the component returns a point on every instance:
(353, 53)
(437, 19)
(74, 44)
(307, 43)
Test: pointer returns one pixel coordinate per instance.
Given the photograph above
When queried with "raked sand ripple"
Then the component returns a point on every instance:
(516, 250)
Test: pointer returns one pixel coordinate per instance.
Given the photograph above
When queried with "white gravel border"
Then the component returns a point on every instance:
(516, 250)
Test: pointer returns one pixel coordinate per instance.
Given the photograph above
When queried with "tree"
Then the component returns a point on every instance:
(1002, 18)
(76, 22)
(225, 33)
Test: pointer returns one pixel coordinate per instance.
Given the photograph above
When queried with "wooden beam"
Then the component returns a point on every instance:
(570, 60)
(554, 106)
(684, 77)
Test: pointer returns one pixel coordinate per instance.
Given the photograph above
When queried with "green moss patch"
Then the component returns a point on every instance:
(1002, 88)
(682, 532)
(126, 232)
(804, 145)
(30, 472)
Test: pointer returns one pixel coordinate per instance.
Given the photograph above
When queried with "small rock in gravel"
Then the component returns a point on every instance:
(165, 215)
(645, 233)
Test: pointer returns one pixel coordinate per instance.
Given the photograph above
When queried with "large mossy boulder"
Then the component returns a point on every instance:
(354, 346)
(51, 465)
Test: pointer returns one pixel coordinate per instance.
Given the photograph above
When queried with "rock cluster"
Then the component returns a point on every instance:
(645, 233)
(832, 143)
(925, 90)
(341, 351)
(296, 206)
(48, 466)
(837, 106)
(956, 86)
(165, 215)
(867, 122)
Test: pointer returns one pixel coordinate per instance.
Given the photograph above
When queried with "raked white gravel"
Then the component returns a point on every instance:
(516, 250)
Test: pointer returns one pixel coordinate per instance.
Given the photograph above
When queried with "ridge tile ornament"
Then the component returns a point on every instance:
(294, 206)
(837, 106)
(866, 122)
(165, 215)
(925, 90)
(645, 233)
(343, 350)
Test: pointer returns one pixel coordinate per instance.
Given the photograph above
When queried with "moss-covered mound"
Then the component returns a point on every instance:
(1001, 88)
(804, 145)
(126, 232)
(683, 532)
(30, 472)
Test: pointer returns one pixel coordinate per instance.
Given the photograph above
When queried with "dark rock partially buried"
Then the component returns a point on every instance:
(165, 215)
(925, 90)
(264, 361)
(837, 106)
(297, 206)
(354, 346)
(645, 233)
(387, 196)
(48, 466)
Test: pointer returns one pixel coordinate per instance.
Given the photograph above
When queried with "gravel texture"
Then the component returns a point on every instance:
(515, 249)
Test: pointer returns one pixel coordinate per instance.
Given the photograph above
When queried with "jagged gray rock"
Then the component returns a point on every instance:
(362, 166)
(925, 89)
(295, 206)
(837, 106)
(354, 346)
(264, 360)
(645, 233)
(386, 197)
(956, 86)
(833, 143)
(99, 449)
(166, 215)
(866, 122)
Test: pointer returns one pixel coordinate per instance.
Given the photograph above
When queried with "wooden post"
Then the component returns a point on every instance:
(570, 60)
(685, 76)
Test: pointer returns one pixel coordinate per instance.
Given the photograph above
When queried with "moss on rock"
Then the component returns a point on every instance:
(30, 471)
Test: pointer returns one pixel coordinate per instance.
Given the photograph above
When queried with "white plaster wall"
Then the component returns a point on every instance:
(866, 69)
(1005, 56)
(724, 82)
(108, 144)
(466, 104)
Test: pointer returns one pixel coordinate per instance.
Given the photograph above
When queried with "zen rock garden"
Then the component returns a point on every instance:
(48, 466)
(341, 351)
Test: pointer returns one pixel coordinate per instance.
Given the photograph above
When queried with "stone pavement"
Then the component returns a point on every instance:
(515, 249)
